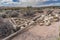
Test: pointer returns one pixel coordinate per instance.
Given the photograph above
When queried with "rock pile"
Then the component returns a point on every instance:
(19, 23)
(48, 19)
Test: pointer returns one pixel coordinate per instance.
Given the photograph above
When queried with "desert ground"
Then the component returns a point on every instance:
(44, 23)
(38, 32)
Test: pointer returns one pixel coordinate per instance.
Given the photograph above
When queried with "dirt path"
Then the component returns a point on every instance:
(40, 33)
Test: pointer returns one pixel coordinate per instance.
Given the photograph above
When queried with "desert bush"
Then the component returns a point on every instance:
(29, 13)
(5, 28)
(4, 16)
(12, 13)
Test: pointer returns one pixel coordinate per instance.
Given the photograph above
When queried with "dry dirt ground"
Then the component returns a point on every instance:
(40, 33)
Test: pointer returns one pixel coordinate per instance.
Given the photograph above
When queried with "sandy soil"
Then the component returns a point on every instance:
(40, 33)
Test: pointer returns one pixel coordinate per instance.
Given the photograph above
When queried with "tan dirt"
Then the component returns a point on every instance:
(40, 33)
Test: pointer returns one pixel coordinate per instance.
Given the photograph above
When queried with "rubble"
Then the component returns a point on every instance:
(20, 23)
(47, 19)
